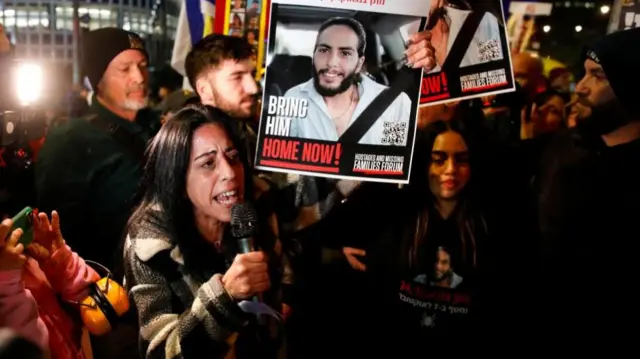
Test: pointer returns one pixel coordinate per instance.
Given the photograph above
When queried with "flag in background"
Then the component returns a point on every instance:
(196, 21)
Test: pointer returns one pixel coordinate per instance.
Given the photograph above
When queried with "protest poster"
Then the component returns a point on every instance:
(629, 14)
(338, 100)
(472, 57)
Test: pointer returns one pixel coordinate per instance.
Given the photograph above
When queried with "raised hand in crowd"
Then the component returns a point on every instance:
(529, 127)
(247, 276)
(539, 122)
(352, 255)
(47, 237)
(11, 252)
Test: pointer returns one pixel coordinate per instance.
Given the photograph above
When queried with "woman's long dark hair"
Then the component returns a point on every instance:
(165, 181)
(470, 220)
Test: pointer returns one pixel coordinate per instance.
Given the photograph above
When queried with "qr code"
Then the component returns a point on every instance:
(489, 50)
(394, 133)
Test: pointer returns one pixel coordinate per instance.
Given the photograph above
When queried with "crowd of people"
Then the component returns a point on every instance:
(515, 233)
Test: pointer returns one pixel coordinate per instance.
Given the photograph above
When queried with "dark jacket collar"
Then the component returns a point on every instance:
(144, 121)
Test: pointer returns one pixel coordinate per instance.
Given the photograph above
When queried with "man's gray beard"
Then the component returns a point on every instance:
(133, 105)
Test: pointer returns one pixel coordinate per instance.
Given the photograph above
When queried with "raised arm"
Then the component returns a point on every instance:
(18, 308)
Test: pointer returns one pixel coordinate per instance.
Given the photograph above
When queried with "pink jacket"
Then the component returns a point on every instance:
(29, 302)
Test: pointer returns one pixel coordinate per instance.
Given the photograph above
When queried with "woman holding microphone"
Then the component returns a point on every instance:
(183, 274)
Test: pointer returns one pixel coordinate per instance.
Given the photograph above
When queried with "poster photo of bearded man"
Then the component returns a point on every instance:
(337, 74)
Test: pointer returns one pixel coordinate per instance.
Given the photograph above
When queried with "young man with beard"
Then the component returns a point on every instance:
(220, 70)
(338, 93)
(589, 205)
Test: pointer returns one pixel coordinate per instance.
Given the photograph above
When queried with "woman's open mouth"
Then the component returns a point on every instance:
(228, 198)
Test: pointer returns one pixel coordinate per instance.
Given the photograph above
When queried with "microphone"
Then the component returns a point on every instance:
(244, 226)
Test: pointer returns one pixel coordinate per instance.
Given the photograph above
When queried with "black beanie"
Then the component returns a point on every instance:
(103, 45)
(619, 55)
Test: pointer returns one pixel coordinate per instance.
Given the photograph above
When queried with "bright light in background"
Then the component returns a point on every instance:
(605, 9)
(546, 28)
(28, 83)
(578, 28)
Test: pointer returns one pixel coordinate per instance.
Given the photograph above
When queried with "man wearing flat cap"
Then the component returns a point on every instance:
(589, 207)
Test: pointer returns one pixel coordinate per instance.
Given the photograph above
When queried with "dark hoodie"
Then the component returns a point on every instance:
(588, 208)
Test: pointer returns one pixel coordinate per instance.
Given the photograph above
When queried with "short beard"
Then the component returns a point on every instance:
(233, 110)
(350, 79)
(604, 119)
(445, 276)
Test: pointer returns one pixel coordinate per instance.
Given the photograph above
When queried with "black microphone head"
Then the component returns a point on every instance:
(243, 220)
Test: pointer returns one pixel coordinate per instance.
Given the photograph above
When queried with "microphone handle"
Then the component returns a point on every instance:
(245, 245)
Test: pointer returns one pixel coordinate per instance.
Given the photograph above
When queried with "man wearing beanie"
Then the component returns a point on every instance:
(589, 207)
(89, 169)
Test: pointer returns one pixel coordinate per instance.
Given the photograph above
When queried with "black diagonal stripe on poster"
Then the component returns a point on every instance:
(478, 62)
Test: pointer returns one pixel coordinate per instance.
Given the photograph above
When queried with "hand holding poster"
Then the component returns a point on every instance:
(468, 50)
(338, 99)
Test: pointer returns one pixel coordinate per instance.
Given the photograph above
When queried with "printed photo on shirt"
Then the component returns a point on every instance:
(439, 298)
(339, 100)
(443, 275)
(469, 53)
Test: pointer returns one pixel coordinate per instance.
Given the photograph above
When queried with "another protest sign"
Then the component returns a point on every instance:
(629, 14)
(471, 51)
(339, 100)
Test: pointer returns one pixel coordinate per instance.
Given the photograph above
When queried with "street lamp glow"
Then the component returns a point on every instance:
(28, 83)
(546, 28)
(604, 9)
(578, 28)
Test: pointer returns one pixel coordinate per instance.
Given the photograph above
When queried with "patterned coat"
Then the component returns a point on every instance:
(181, 316)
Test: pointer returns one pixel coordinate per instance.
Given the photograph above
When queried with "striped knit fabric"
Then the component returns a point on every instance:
(180, 316)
